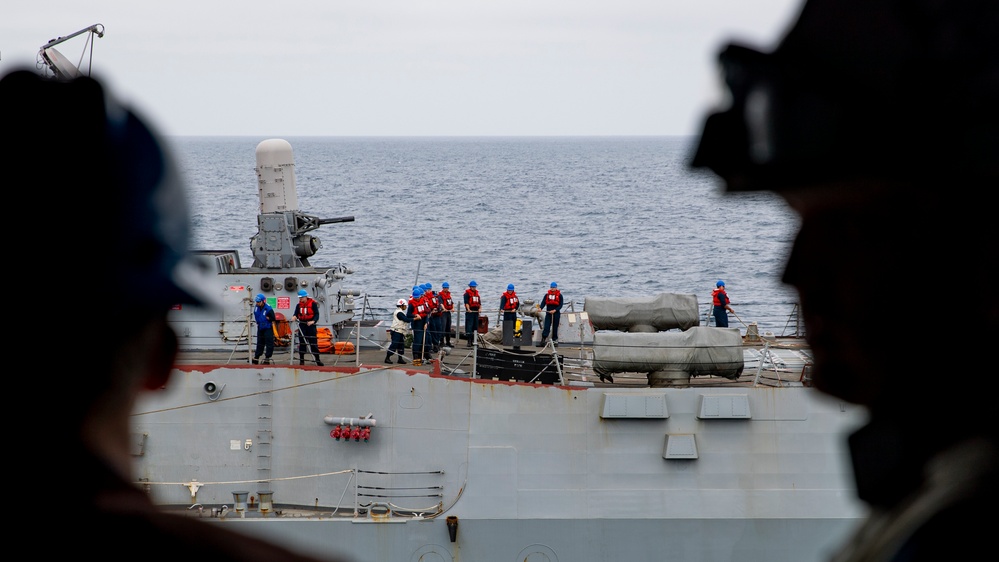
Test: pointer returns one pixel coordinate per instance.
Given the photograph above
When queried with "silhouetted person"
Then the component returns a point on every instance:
(104, 181)
(877, 121)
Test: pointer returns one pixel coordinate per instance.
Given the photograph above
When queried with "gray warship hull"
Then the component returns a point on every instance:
(457, 468)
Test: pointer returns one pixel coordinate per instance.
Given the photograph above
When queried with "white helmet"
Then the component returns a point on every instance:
(400, 302)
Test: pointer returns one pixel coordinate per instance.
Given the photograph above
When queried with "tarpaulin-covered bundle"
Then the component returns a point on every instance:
(665, 311)
(700, 350)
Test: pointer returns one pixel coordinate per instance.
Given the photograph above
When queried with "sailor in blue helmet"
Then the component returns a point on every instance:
(417, 311)
(264, 318)
(720, 305)
(473, 304)
(877, 122)
(447, 308)
(435, 324)
(551, 303)
(307, 316)
(119, 191)
(509, 304)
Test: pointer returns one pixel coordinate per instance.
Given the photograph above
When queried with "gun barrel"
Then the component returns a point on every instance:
(336, 219)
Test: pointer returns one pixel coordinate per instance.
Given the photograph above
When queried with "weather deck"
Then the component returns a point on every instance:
(784, 362)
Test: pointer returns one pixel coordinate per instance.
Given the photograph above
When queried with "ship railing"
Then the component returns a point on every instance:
(783, 374)
(381, 494)
(377, 495)
(793, 327)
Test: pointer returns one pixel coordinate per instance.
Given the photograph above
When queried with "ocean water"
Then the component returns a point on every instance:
(601, 216)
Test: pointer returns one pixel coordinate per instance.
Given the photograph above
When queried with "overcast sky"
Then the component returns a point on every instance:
(404, 67)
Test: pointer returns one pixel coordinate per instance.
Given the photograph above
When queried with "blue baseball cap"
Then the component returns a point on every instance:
(259, 298)
(720, 283)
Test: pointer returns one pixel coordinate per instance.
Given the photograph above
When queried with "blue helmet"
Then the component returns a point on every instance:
(472, 283)
(554, 284)
(445, 285)
(303, 293)
(260, 298)
(720, 283)
(426, 287)
(417, 293)
(509, 287)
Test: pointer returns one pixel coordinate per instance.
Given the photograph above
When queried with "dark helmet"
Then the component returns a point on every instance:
(869, 88)
(141, 237)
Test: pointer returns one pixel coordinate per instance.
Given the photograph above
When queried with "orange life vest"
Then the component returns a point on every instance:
(719, 297)
(324, 337)
(446, 301)
(435, 304)
(512, 302)
(419, 308)
(474, 301)
(305, 310)
(553, 298)
(343, 348)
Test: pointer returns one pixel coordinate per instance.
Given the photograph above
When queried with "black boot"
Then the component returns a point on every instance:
(301, 360)
(388, 358)
(318, 362)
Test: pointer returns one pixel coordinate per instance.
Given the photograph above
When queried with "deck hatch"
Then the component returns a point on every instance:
(724, 407)
(680, 446)
(634, 406)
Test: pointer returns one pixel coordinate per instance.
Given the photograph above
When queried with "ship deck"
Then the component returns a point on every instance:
(778, 362)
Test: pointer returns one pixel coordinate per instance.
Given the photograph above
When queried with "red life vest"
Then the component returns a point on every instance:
(474, 301)
(553, 298)
(419, 308)
(446, 301)
(435, 304)
(512, 302)
(719, 297)
(305, 310)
